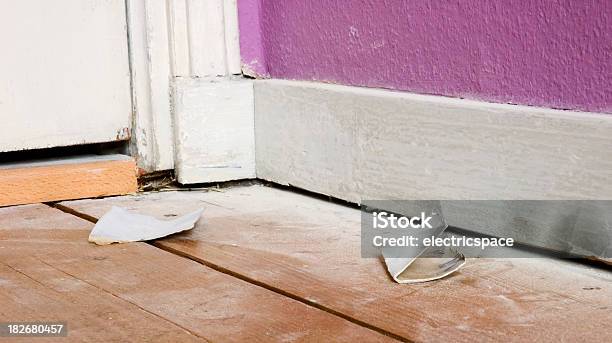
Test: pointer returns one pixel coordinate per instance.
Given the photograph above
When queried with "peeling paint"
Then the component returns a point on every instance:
(123, 134)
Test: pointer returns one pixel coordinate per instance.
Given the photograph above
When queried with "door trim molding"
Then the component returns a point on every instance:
(169, 39)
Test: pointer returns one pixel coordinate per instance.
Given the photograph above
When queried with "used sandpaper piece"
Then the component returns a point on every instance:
(419, 263)
(422, 264)
(120, 226)
(422, 269)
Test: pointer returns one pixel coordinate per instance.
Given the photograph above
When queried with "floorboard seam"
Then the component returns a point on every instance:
(73, 212)
(29, 277)
(283, 293)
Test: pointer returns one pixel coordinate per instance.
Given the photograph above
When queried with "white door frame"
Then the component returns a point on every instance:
(170, 39)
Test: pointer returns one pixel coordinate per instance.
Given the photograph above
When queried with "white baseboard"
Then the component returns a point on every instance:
(357, 143)
(362, 144)
(214, 132)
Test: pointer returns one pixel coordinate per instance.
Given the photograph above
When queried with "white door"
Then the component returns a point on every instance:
(64, 73)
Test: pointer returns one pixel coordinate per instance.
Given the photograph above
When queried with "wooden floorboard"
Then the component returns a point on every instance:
(137, 292)
(70, 178)
(33, 290)
(309, 248)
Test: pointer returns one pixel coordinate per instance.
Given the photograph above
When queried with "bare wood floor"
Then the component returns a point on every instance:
(270, 265)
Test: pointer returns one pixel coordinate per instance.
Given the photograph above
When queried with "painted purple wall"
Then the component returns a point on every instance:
(552, 53)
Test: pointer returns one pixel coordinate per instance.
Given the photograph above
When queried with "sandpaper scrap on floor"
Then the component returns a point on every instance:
(413, 264)
(120, 226)
(425, 268)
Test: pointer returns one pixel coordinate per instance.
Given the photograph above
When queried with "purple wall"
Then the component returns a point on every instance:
(553, 53)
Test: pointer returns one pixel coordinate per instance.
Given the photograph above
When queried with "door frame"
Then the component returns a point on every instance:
(169, 39)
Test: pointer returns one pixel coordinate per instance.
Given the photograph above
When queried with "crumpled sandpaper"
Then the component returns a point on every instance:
(120, 226)
(424, 268)
(415, 264)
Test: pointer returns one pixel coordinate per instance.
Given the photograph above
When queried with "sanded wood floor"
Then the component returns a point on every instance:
(265, 264)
